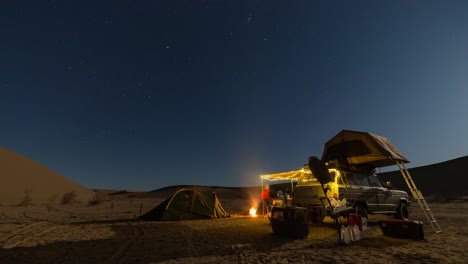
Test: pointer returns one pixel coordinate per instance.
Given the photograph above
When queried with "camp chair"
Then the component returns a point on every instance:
(320, 171)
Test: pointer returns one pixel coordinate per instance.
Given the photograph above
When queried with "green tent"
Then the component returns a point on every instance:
(187, 204)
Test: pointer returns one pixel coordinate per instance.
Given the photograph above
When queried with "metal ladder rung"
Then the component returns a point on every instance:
(417, 195)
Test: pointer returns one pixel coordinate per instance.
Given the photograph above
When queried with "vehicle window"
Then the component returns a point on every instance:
(362, 180)
(351, 179)
(375, 182)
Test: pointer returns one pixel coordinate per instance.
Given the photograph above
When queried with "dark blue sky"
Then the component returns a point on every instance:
(127, 95)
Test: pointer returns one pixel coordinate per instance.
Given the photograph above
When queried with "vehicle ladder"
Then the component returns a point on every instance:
(418, 196)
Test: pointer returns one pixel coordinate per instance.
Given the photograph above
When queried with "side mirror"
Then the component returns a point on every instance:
(388, 185)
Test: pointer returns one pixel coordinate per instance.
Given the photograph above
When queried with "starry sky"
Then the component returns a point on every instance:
(145, 94)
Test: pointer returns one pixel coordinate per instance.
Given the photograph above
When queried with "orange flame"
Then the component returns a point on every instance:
(253, 212)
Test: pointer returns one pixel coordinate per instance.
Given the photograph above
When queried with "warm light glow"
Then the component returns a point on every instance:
(253, 212)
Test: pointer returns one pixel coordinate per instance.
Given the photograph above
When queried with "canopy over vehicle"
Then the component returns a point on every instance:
(362, 149)
(283, 176)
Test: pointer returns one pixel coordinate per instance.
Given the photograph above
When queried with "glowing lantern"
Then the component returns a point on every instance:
(253, 212)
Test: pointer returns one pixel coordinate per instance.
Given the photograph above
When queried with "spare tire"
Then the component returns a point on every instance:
(319, 170)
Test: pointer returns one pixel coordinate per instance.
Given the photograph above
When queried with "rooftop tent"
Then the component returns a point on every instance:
(362, 148)
(187, 204)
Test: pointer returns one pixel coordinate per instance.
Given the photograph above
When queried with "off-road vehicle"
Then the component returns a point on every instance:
(344, 180)
(351, 158)
(358, 188)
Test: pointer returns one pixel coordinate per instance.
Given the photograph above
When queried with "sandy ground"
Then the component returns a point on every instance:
(108, 233)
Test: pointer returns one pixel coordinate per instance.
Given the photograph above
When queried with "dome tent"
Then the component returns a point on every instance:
(187, 204)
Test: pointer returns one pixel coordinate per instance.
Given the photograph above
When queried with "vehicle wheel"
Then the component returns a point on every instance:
(402, 212)
(301, 226)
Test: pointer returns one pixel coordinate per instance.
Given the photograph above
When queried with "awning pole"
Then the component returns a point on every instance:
(261, 196)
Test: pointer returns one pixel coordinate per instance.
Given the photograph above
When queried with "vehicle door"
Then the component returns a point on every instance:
(384, 199)
(366, 192)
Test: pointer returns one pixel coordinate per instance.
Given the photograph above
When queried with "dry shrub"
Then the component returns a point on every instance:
(27, 198)
(68, 198)
(51, 202)
(99, 198)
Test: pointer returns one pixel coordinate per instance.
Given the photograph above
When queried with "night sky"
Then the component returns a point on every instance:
(144, 94)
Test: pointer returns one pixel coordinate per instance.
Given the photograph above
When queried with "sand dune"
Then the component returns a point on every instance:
(21, 177)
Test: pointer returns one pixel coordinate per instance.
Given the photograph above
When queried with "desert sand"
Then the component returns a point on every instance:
(110, 233)
(44, 229)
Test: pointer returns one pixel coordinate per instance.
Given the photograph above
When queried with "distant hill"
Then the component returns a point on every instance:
(449, 178)
(232, 192)
(251, 192)
(177, 187)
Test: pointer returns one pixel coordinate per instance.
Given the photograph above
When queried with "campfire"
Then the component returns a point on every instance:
(253, 212)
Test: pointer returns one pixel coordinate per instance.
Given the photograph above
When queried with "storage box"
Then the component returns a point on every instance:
(289, 221)
(408, 229)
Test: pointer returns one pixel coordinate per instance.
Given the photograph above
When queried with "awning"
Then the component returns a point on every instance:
(362, 148)
(283, 176)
